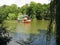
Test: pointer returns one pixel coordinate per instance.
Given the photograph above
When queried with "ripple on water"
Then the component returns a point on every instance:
(35, 39)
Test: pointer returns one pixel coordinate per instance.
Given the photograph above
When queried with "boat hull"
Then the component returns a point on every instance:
(27, 21)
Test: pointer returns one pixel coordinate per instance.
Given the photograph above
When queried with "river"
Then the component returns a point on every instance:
(34, 33)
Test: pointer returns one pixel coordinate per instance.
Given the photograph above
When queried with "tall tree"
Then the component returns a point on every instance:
(57, 21)
(24, 9)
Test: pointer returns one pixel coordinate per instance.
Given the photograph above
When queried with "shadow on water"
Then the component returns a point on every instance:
(43, 38)
(50, 38)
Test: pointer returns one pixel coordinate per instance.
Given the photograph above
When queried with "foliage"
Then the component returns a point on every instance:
(11, 16)
(24, 9)
(38, 7)
(10, 25)
(9, 11)
(28, 9)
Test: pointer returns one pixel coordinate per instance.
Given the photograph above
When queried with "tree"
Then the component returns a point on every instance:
(57, 21)
(3, 13)
(11, 16)
(38, 16)
(24, 9)
(46, 11)
(31, 11)
(38, 11)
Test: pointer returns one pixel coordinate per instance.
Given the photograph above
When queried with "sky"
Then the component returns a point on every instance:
(21, 2)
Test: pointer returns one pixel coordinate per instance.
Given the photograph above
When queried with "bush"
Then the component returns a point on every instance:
(11, 16)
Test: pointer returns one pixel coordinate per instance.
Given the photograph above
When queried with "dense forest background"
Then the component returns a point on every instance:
(34, 10)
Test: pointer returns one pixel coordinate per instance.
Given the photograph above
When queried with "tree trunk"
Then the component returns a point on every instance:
(58, 22)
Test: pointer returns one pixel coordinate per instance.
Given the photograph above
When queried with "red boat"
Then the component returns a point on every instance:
(27, 21)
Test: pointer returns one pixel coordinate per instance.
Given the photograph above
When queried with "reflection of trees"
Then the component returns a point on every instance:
(48, 37)
(28, 41)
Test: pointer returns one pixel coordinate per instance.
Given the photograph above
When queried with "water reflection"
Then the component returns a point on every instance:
(43, 38)
(34, 33)
(50, 38)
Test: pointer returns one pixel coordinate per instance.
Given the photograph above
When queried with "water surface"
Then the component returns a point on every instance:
(36, 33)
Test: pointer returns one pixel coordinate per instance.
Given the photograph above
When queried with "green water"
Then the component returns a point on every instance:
(32, 27)
(36, 31)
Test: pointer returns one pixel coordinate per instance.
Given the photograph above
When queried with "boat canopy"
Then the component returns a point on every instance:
(20, 17)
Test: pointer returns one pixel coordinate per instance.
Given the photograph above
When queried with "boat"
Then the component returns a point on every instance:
(27, 21)
(24, 19)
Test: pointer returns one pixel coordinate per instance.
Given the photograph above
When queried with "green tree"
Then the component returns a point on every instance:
(38, 11)
(24, 9)
(11, 16)
(3, 13)
(32, 9)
